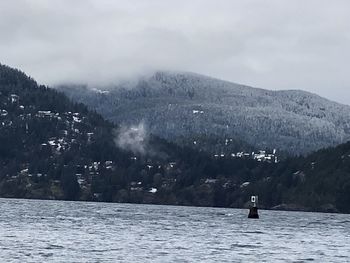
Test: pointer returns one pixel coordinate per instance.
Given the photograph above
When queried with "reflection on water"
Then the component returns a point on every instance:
(56, 231)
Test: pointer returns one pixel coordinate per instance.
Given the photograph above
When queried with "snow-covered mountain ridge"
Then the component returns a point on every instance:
(174, 104)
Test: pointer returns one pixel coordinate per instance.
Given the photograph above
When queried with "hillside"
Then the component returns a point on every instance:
(322, 179)
(45, 138)
(186, 105)
(52, 148)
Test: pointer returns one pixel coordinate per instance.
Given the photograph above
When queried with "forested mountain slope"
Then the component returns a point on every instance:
(188, 105)
(52, 148)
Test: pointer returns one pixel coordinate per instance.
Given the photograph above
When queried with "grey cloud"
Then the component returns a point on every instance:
(132, 138)
(272, 44)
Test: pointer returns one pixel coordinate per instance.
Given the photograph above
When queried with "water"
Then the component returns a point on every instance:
(56, 231)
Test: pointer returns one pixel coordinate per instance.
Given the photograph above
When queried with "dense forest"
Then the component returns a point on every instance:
(183, 104)
(53, 148)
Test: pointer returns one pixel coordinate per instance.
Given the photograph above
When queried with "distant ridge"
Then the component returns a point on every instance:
(293, 121)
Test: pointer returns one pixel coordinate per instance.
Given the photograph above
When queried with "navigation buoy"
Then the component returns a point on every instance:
(253, 210)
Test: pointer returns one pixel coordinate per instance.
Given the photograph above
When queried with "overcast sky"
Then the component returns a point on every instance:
(272, 44)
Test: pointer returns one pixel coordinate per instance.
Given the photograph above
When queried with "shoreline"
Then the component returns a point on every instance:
(175, 205)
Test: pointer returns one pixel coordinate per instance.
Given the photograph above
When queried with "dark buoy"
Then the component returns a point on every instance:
(253, 210)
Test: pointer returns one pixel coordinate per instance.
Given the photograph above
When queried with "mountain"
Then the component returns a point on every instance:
(53, 148)
(177, 105)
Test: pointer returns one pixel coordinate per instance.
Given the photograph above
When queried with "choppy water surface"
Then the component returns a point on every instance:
(54, 231)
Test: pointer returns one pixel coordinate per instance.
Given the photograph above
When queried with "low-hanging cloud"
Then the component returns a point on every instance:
(132, 138)
(271, 44)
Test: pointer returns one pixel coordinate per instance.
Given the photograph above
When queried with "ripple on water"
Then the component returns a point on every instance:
(52, 231)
